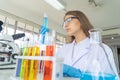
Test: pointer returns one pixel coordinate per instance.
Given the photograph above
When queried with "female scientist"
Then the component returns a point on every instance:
(76, 52)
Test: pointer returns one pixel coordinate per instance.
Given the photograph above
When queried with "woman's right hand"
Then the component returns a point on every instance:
(71, 71)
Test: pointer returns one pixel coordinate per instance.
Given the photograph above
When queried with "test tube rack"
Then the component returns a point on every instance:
(55, 61)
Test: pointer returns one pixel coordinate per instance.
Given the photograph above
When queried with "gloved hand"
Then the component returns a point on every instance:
(43, 30)
(71, 71)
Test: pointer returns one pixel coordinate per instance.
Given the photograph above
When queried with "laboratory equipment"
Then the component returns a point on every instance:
(44, 29)
(38, 61)
(56, 68)
(8, 48)
(1, 23)
(99, 63)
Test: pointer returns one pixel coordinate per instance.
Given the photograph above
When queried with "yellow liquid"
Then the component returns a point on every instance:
(22, 70)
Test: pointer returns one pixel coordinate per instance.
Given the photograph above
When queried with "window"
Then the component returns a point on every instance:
(10, 31)
(36, 30)
(10, 21)
(2, 18)
(9, 26)
(60, 40)
(21, 25)
(19, 41)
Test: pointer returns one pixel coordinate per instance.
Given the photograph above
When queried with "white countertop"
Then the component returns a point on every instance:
(68, 78)
(6, 74)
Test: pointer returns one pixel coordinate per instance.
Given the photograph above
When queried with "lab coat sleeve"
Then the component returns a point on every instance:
(111, 58)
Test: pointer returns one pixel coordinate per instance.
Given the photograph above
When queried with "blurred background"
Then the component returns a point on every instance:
(26, 16)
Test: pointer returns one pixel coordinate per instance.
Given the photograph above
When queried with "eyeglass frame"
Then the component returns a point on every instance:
(69, 20)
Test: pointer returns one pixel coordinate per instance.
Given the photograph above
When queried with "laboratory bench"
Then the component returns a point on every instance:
(7, 74)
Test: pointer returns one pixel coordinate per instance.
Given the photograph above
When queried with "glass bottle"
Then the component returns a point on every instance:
(99, 65)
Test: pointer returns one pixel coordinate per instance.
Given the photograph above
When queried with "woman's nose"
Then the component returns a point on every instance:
(66, 24)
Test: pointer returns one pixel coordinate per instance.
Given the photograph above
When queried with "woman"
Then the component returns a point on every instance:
(76, 52)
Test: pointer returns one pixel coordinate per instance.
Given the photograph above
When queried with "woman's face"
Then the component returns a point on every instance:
(72, 25)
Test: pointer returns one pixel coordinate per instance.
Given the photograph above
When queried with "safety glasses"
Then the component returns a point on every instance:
(68, 20)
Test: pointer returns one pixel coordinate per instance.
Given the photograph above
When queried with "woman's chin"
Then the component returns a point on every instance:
(69, 34)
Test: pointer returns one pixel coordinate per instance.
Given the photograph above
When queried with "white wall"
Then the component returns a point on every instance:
(23, 12)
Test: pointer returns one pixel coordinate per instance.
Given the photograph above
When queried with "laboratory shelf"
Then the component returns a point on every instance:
(57, 63)
(55, 60)
(36, 57)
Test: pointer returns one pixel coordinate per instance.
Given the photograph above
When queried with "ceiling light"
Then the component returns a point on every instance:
(56, 4)
(112, 37)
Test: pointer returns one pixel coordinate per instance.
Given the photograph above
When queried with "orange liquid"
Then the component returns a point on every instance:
(33, 70)
(31, 73)
(48, 64)
(36, 63)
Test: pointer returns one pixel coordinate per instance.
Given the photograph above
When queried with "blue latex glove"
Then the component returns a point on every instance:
(43, 30)
(71, 71)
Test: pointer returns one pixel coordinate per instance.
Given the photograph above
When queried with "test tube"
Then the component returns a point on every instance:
(50, 49)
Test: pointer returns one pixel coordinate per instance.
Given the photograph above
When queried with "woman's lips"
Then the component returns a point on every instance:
(67, 30)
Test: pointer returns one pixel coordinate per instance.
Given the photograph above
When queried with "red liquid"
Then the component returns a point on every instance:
(48, 64)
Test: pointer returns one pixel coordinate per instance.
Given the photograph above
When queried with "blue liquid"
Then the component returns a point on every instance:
(89, 76)
(18, 68)
(45, 22)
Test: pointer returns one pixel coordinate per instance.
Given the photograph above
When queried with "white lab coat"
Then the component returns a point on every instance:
(76, 55)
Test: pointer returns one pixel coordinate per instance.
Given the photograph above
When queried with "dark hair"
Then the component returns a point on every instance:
(85, 23)
(1, 23)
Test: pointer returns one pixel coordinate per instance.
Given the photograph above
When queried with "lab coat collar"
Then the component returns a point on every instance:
(84, 46)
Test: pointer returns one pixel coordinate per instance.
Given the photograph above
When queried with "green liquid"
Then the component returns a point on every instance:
(89, 76)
